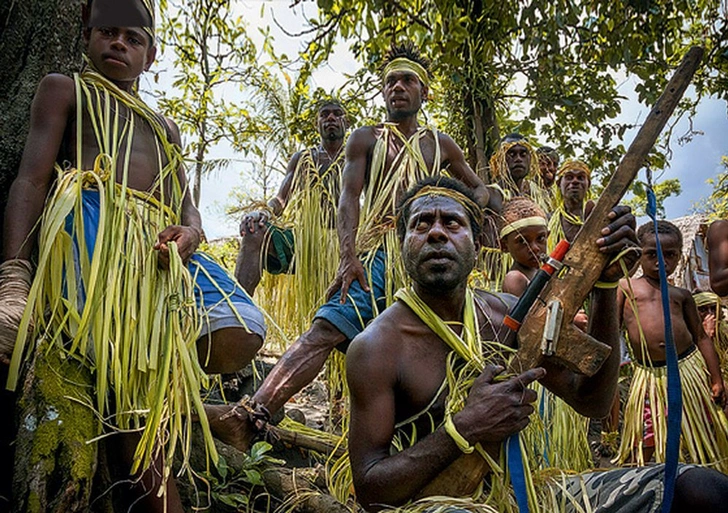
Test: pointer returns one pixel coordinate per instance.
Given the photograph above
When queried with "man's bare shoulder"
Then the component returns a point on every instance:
(500, 302)
(364, 135)
(378, 349)
(681, 294)
(447, 143)
(56, 90)
(386, 328)
(717, 232)
(173, 130)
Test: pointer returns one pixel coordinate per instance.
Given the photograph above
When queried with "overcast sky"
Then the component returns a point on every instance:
(692, 163)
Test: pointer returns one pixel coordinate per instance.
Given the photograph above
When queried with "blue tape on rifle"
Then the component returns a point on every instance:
(515, 469)
(674, 387)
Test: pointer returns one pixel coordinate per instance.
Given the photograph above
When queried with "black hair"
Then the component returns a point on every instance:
(329, 101)
(409, 51)
(117, 14)
(547, 150)
(404, 205)
(663, 228)
(514, 136)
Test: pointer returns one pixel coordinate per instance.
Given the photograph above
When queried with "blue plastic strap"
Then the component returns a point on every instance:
(515, 469)
(674, 387)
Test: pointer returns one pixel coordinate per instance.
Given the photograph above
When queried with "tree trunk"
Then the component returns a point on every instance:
(483, 134)
(37, 37)
(54, 464)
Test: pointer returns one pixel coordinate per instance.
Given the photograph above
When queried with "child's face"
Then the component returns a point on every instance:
(121, 54)
(671, 251)
(527, 245)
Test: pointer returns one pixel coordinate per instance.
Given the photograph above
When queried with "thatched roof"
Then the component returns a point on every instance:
(692, 271)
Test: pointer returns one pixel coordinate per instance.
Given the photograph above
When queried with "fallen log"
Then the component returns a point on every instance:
(298, 493)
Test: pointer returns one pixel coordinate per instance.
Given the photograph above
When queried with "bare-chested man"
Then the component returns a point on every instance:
(382, 161)
(705, 427)
(318, 167)
(397, 372)
(572, 203)
(118, 275)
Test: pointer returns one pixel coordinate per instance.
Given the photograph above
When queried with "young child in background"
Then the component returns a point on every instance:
(524, 234)
(704, 425)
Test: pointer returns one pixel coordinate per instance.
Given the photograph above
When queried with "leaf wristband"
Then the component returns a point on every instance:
(606, 284)
(459, 440)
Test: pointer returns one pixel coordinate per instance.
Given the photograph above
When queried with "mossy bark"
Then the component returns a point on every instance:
(55, 461)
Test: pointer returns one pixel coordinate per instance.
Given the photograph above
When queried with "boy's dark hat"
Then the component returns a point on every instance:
(121, 13)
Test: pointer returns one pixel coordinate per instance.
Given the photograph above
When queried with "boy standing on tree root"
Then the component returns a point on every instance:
(118, 283)
(704, 425)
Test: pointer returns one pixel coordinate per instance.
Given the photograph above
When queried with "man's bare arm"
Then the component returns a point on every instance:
(459, 168)
(347, 221)
(53, 104)
(256, 221)
(188, 234)
(718, 256)
(279, 202)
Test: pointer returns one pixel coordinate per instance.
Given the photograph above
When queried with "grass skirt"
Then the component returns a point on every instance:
(704, 425)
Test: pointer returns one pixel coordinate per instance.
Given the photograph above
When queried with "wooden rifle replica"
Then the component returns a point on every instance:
(547, 330)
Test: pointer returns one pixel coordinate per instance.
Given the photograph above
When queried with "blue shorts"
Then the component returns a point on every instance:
(221, 302)
(361, 307)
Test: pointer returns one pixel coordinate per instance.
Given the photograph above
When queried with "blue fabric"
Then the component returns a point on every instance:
(674, 387)
(360, 307)
(215, 290)
(516, 471)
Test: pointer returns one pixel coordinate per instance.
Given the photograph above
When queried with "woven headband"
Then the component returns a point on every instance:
(469, 205)
(706, 298)
(574, 165)
(402, 64)
(522, 223)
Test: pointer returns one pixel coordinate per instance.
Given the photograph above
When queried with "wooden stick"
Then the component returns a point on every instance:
(309, 442)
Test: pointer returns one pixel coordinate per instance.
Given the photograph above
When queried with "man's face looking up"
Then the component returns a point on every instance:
(403, 93)
(438, 247)
(574, 185)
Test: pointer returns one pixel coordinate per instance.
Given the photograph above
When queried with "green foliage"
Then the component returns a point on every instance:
(662, 190)
(225, 251)
(508, 65)
(214, 56)
(716, 206)
(234, 486)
